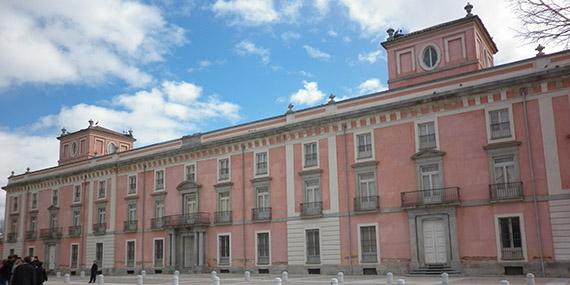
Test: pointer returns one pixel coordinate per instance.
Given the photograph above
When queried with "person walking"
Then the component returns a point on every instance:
(24, 273)
(41, 275)
(94, 269)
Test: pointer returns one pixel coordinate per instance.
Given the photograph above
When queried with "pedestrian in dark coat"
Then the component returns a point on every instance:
(6, 270)
(25, 273)
(41, 275)
(94, 269)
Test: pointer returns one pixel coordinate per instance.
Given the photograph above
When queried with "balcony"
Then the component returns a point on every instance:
(51, 233)
(31, 235)
(261, 214)
(11, 237)
(506, 191)
(187, 220)
(223, 217)
(430, 197)
(130, 226)
(157, 223)
(74, 231)
(99, 228)
(512, 253)
(312, 209)
(366, 203)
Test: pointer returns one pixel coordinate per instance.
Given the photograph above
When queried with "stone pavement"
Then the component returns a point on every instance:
(237, 279)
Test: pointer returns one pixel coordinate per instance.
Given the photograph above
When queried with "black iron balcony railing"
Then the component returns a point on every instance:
(157, 223)
(262, 260)
(369, 257)
(130, 226)
(51, 233)
(223, 217)
(506, 191)
(312, 209)
(31, 235)
(185, 220)
(437, 196)
(99, 228)
(366, 203)
(500, 130)
(512, 253)
(313, 259)
(261, 214)
(11, 237)
(224, 260)
(74, 231)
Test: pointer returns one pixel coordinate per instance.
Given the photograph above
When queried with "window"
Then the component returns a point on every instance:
(76, 217)
(132, 185)
(33, 223)
(430, 177)
(74, 256)
(368, 250)
(366, 195)
(99, 254)
(159, 180)
(313, 246)
(191, 172)
(500, 125)
(510, 238)
(73, 149)
(53, 221)
(224, 169)
(224, 201)
(190, 203)
(31, 251)
(14, 226)
(101, 212)
(130, 254)
(263, 249)
(158, 208)
(34, 201)
(76, 193)
(364, 146)
(262, 196)
(15, 204)
(311, 157)
(224, 250)
(261, 163)
(111, 148)
(430, 57)
(102, 190)
(158, 253)
(504, 170)
(55, 197)
(312, 190)
(132, 211)
(426, 136)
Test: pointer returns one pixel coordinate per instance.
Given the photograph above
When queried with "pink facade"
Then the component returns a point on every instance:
(461, 166)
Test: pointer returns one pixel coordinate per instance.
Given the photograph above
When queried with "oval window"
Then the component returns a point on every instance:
(73, 149)
(430, 57)
(111, 148)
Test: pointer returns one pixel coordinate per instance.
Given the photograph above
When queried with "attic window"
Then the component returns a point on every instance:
(111, 148)
(430, 57)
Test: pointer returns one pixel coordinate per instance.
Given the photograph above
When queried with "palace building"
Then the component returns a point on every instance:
(461, 166)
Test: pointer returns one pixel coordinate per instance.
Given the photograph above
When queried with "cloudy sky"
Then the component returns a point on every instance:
(169, 68)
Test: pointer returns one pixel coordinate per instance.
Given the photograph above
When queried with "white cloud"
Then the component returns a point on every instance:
(332, 33)
(371, 85)
(287, 36)
(308, 95)
(316, 53)
(81, 41)
(371, 57)
(290, 10)
(247, 12)
(322, 6)
(247, 47)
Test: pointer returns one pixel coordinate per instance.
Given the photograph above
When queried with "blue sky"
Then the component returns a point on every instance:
(170, 68)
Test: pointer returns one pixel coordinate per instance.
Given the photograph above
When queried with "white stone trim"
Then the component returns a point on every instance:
(315, 141)
(305, 229)
(422, 120)
(163, 169)
(154, 265)
(71, 257)
(355, 143)
(228, 157)
(135, 175)
(333, 174)
(402, 51)
(446, 41)
(266, 150)
(420, 57)
(498, 106)
(550, 146)
(375, 225)
(195, 163)
(498, 237)
(270, 246)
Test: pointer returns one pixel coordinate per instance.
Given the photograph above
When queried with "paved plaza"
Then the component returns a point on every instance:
(235, 279)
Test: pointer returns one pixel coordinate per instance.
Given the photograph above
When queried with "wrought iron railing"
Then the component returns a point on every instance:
(366, 203)
(224, 260)
(506, 191)
(11, 237)
(31, 235)
(512, 253)
(130, 226)
(262, 260)
(312, 209)
(437, 196)
(74, 231)
(99, 228)
(157, 223)
(184, 220)
(223, 217)
(261, 214)
(51, 233)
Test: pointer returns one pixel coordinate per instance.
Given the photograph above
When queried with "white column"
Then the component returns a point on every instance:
(550, 146)
(333, 174)
(201, 248)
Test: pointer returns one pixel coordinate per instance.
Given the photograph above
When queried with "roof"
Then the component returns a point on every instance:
(100, 129)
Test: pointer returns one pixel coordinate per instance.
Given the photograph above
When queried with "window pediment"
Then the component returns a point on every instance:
(188, 186)
(427, 153)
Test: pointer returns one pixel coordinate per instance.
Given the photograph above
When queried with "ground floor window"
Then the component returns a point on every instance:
(74, 255)
(368, 245)
(31, 251)
(263, 248)
(130, 253)
(510, 238)
(224, 249)
(313, 246)
(99, 254)
(158, 253)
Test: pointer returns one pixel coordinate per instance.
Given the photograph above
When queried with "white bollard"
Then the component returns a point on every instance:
(177, 273)
(277, 281)
(175, 280)
(58, 274)
(504, 282)
(530, 279)
(82, 274)
(213, 274)
(100, 279)
(340, 277)
(444, 278)
(216, 280)
(389, 278)
(139, 280)
(284, 276)
(66, 278)
(247, 276)
(143, 273)
(401, 282)
(334, 281)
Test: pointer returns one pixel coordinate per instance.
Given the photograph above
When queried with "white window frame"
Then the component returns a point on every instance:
(497, 107)
(104, 215)
(320, 245)
(80, 194)
(129, 184)
(256, 195)
(129, 203)
(73, 217)
(428, 162)
(270, 253)
(127, 253)
(398, 63)
(154, 265)
(452, 38)
(355, 140)
(56, 192)
(498, 237)
(375, 225)
(102, 253)
(17, 208)
(71, 255)
(303, 160)
(163, 180)
(218, 249)
(195, 171)
(155, 208)
(229, 169)
(359, 183)
(417, 131)
(420, 58)
(255, 174)
(99, 189)
(32, 195)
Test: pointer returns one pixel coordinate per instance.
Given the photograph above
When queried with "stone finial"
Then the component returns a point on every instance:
(468, 9)
(90, 123)
(331, 98)
(290, 108)
(539, 50)
(390, 32)
(27, 170)
(130, 131)
(12, 173)
(63, 131)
